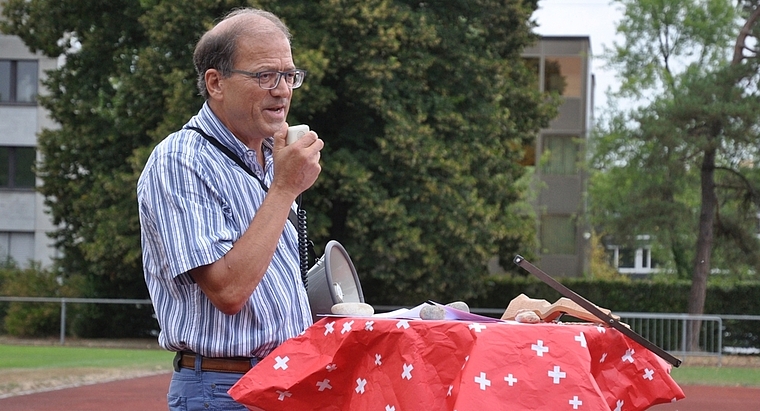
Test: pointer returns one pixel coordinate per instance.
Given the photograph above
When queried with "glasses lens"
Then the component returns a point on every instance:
(293, 78)
(298, 76)
(270, 79)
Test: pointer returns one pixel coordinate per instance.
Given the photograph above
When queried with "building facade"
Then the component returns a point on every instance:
(23, 222)
(563, 65)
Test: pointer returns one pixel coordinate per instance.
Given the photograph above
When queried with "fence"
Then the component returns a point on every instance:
(63, 302)
(668, 331)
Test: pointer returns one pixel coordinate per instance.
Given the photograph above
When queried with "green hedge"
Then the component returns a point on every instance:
(627, 295)
(24, 319)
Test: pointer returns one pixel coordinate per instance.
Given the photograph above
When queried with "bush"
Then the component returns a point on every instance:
(652, 296)
(32, 319)
(7, 268)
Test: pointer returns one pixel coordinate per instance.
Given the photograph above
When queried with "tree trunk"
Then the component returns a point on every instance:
(698, 292)
(709, 204)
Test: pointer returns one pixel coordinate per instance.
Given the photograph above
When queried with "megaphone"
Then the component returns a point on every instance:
(332, 280)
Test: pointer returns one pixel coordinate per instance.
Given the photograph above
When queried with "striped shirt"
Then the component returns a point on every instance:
(194, 204)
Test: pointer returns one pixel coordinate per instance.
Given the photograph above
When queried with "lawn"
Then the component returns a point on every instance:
(30, 357)
(723, 376)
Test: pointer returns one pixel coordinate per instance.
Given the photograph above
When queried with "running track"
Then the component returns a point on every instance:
(149, 394)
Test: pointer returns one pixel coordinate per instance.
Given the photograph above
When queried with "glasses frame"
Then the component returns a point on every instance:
(280, 74)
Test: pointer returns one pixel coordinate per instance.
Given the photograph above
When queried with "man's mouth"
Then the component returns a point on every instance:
(277, 106)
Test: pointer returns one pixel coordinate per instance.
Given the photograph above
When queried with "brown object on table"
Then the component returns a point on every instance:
(549, 312)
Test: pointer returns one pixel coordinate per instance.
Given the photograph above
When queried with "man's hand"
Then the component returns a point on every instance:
(296, 165)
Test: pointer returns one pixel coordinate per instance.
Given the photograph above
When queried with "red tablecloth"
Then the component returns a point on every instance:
(351, 364)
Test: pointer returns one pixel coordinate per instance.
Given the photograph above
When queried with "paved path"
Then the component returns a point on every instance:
(149, 394)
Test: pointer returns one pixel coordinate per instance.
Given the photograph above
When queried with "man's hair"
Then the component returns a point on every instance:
(217, 49)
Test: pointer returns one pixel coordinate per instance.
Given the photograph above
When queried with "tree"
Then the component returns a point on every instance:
(425, 109)
(702, 126)
(420, 183)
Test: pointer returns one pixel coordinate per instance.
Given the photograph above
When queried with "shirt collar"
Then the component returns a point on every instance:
(209, 122)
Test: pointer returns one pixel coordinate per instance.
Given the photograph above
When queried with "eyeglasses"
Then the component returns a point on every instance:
(269, 80)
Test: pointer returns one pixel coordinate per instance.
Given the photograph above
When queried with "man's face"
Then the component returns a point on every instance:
(249, 111)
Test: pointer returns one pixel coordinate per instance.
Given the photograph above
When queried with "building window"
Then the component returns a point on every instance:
(562, 155)
(633, 260)
(18, 81)
(558, 235)
(17, 247)
(627, 258)
(563, 75)
(16, 167)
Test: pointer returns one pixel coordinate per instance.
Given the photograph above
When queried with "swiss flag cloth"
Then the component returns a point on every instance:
(389, 364)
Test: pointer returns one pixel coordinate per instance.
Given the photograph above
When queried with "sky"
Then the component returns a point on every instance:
(594, 18)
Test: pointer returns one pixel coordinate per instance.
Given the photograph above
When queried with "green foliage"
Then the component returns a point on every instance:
(425, 109)
(25, 319)
(682, 167)
(621, 295)
(600, 261)
(659, 295)
(661, 36)
(112, 321)
(7, 270)
(423, 138)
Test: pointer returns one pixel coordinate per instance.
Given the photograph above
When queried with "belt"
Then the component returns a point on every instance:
(238, 365)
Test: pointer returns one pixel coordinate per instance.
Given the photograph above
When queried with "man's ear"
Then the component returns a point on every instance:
(214, 82)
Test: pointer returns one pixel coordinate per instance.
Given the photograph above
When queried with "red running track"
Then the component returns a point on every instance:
(149, 394)
(135, 394)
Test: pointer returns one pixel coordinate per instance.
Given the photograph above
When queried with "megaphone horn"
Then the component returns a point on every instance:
(332, 280)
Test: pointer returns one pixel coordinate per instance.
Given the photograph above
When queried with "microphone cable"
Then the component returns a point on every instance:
(303, 244)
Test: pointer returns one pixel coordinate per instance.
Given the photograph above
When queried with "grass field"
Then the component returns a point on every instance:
(723, 376)
(26, 357)
(48, 357)
(35, 368)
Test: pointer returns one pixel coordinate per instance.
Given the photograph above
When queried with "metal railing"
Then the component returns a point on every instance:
(671, 332)
(63, 300)
(668, 331)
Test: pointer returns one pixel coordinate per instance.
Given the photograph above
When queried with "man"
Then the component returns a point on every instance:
(220, 256)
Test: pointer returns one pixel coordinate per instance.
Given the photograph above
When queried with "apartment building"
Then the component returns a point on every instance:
(563, 65)
(23, 221)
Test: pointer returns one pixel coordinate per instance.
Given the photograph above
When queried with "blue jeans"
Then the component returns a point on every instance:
(196, 390)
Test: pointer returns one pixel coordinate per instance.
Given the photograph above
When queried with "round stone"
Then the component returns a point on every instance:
(432, 312)
(459, 305)
(360, 309)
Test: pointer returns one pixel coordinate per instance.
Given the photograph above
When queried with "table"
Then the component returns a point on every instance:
(390, 364)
